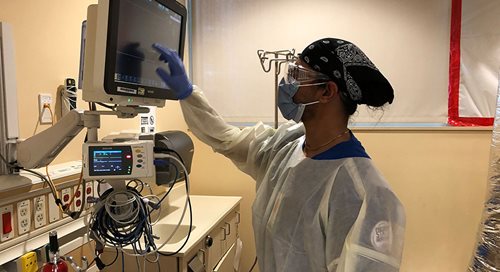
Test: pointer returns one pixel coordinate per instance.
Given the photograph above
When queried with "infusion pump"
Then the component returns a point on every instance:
(123, 160)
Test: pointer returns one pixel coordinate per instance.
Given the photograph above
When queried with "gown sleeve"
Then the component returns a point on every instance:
(251, 148)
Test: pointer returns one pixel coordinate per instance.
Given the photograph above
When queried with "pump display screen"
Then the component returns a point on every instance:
(110, 160)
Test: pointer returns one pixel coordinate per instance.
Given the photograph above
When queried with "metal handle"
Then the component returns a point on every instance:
(229, 228)
(204, 252)
(225, 235)
(238, 216)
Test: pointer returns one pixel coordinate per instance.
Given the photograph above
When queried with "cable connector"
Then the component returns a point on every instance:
(150, 203)
(92, 200)
(99, 263)
(160, 162)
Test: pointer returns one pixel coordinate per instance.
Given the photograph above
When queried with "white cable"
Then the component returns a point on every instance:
(129, 214)
(167, 156)
(146, 200)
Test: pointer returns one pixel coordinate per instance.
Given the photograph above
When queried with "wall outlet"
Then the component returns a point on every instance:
(23, 216)
(66, 199)
(40, 212)
(77, 201)
(45, 116)
(89, 192)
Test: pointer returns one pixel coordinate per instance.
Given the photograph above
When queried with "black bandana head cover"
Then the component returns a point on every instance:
(351, 69)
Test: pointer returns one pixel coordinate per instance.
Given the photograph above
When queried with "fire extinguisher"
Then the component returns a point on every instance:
(56, 263)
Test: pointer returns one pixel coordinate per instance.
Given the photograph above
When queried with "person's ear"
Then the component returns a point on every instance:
(330, 92)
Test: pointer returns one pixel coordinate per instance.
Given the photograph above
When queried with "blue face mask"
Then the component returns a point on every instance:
(289, 109)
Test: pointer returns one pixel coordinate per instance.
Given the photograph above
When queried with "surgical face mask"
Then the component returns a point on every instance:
(289, 109)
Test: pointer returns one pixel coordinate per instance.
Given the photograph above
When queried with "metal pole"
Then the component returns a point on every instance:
(276, 90)
(280, 57)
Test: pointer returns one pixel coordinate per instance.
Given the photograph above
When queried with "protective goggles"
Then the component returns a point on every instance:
(295, 73)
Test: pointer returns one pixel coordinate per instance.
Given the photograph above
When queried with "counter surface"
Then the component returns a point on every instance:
(208, 212)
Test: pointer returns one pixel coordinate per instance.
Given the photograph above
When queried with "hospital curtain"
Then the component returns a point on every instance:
(474, 62)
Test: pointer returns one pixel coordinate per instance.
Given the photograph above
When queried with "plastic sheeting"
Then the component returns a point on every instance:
(410, 52)
(474, 62)
(487, 254)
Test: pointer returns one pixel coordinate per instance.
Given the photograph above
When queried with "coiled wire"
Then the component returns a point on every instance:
(123, 218)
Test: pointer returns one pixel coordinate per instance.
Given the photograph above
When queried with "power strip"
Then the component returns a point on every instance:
(56, 171)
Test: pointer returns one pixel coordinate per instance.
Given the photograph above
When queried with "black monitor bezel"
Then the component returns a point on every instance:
(110, 86)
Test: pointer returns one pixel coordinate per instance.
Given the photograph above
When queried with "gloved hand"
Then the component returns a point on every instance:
(177, 80)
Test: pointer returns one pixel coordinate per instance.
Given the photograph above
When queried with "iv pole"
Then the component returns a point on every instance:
(278, 58)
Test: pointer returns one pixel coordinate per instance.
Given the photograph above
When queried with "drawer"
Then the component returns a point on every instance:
(226, 263)
(224, 236)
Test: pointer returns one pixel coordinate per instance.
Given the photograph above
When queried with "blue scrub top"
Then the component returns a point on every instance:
(348, 149)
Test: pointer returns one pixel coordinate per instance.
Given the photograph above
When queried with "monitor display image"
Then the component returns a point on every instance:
(140, 24)
(119, 60)
(112, 161)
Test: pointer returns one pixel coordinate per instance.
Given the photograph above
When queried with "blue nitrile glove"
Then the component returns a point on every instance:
(177, 80)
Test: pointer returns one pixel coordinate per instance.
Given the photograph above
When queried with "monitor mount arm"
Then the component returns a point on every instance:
(41, 149)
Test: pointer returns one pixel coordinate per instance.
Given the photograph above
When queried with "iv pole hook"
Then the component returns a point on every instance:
(277, 58)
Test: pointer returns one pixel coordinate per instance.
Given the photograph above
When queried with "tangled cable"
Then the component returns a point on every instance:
(124, 218)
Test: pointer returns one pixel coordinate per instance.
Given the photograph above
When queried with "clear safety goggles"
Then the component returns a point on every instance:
(295, 73)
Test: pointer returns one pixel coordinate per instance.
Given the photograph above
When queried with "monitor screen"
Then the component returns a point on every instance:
(119, 61)
(140, 24)
(110, 160)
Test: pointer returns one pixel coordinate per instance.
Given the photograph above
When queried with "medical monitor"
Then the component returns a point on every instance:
(119, 61)
(127, 160)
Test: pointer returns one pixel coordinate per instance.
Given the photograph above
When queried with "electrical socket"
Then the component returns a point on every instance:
(45, 116)
(77, 201)
(40, 211)
(89, 191)
(66, 198)
(23, 216)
